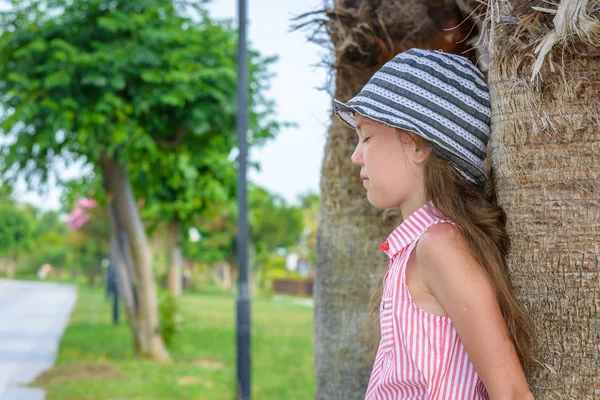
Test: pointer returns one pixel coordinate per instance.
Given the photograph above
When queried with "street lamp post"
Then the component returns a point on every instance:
(243, 299)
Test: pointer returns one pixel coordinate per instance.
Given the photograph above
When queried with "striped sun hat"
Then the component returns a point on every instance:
(441, 97)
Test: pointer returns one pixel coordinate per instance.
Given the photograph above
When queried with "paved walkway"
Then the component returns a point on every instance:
(32, 319)
(301, 301)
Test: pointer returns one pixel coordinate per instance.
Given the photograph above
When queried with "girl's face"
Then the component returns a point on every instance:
(392, 164)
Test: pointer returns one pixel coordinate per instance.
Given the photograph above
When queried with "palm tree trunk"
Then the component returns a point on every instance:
(151, 343)
(174, 255)
(365, 35)
(347, 260)
(545, 151)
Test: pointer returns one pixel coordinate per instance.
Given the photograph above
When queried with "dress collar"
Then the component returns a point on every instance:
(410, 229)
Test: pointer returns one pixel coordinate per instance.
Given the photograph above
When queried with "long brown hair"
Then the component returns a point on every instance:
(483, 222)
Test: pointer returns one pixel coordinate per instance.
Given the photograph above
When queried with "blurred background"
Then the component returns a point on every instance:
(118, 129)
(118, 210)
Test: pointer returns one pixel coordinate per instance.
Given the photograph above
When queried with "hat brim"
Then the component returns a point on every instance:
(346, 113)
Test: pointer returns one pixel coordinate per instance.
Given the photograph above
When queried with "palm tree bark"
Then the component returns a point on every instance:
(545, 146)
(365, 35)
(150, 341)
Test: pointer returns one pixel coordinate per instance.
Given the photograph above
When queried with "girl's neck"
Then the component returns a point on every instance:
(409, 206)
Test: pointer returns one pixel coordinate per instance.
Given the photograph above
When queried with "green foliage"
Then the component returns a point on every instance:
(170, 317)
(274, 267)
(75, 252)
(275, 262)
(273, 224)
(51, 248)
(285, 274)
(16, 230)
(51, 245)
(310, 203)
(139, 79)
(6, 191)
(217, 237)
(89, 186)
(49, 223)
(183, 184)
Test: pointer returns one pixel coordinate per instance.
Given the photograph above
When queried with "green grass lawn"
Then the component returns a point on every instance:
(204, 353)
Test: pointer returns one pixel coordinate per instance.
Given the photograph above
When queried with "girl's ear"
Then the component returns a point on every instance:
(421, 151)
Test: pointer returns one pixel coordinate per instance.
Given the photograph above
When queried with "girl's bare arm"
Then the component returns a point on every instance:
(460, 285)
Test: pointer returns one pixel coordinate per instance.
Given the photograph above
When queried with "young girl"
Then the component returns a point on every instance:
(450, 326)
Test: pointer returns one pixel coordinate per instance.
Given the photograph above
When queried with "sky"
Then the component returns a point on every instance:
(290, 164)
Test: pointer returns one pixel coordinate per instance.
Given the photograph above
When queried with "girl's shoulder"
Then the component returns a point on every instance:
(442, 250)
(440, 235)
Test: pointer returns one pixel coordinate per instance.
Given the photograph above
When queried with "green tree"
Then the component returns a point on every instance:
(16, 228)
(50, 222)
(179, 191)
(310, 203)
(6, 191)
(181, 183)
(117, 84)
(51, 243)
(273, 224)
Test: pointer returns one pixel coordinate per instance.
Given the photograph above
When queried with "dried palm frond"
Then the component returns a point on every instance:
(366, 34)
(475, 12)
(573, 21)
(545, 30)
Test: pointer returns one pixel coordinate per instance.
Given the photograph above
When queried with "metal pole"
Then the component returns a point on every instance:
(243, 300)
(116, 303)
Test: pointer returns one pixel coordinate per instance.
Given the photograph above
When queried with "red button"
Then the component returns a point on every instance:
(384, 246)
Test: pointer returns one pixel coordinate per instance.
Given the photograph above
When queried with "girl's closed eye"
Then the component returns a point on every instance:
(365, 139)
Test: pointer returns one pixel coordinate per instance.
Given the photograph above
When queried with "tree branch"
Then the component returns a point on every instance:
(173, 144)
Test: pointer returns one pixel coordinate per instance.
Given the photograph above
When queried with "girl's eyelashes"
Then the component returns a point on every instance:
(365, 139)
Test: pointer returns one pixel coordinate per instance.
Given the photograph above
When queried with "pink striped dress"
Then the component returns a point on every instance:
(420, 355)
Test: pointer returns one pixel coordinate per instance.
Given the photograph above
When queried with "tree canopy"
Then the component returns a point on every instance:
(139, 79)
(273, 224)
(142, 90)
(16, 230)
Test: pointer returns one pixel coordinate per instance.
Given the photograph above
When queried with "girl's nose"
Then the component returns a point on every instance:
(357, 156)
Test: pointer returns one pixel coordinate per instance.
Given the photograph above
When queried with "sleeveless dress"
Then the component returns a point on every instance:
(420, 355)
